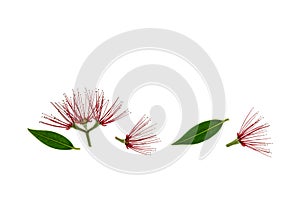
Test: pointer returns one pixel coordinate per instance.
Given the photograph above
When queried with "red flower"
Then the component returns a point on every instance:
(105, 114)
(140, 137)
(75, 109)
(82, 109)
(253, 135)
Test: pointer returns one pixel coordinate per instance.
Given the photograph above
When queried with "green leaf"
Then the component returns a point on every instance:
(201, 132)
(53, 139)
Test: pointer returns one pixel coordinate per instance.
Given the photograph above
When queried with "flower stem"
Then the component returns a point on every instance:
(87, 134)
(236, 141)
(86, 131)
(95, 126)
(78, 128)
(120, 140)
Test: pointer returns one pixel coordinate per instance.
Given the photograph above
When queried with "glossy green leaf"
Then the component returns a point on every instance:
(52, 139)
(201, 132)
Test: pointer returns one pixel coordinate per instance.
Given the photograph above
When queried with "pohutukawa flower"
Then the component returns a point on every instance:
(73, 110)
(140, 137)
(79, 110)
(105, 114)
(253, 134)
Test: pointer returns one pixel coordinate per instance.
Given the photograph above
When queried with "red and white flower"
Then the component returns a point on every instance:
(105, 114)
(141, 137)
(253, 134)
(80, 109)
(73, 110)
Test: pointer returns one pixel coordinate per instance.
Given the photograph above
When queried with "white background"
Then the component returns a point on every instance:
(255, 46)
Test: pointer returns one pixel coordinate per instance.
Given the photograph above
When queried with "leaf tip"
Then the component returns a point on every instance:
(30, 130)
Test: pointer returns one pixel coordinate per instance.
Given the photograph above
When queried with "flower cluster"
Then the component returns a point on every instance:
(252, 134)
(78, 110)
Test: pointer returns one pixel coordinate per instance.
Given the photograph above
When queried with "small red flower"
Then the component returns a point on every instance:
(73, 110)
(140, 137)
(253, 134)
(77, 111)
(105, 114)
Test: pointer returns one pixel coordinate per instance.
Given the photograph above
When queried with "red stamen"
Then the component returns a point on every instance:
(140, 137)
(252, 135)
